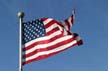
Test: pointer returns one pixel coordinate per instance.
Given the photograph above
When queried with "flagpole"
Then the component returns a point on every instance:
(20, 15)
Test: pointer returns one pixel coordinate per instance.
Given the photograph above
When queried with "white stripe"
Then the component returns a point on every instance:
(78, 38)
(43, 38)
(65, 25)
(51, 27)
(73, 13)
(47, 21)
(51, 51)
(48, 44)
(65, 32)
(70, 23)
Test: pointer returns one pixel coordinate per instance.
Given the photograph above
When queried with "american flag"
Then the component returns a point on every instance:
(45, 37)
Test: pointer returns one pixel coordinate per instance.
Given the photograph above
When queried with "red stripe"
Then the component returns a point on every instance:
(50, 23)
(80, 42)
(67, 23)
(72, 19)
(50, 47)
(43, 19)
(46, 56)
(52, 31)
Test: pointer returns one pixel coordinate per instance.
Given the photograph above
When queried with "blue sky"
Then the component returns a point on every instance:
(91, 24)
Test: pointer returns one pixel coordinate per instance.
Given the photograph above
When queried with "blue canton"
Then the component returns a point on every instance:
(32, 30)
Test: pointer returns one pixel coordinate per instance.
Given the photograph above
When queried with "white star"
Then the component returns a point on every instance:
(42, 34)
(37, 35)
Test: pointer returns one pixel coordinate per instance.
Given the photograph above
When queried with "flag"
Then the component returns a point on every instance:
(46, 37)
(68, 23)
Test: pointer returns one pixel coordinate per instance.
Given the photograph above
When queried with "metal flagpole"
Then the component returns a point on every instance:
(20, 15)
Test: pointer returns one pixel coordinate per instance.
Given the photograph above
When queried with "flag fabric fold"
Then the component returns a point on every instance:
(68, 23)
(46, 37)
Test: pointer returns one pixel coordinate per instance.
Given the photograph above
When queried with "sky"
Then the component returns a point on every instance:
(91, 24)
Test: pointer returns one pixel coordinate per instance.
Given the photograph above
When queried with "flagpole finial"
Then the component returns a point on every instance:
(21, 14)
